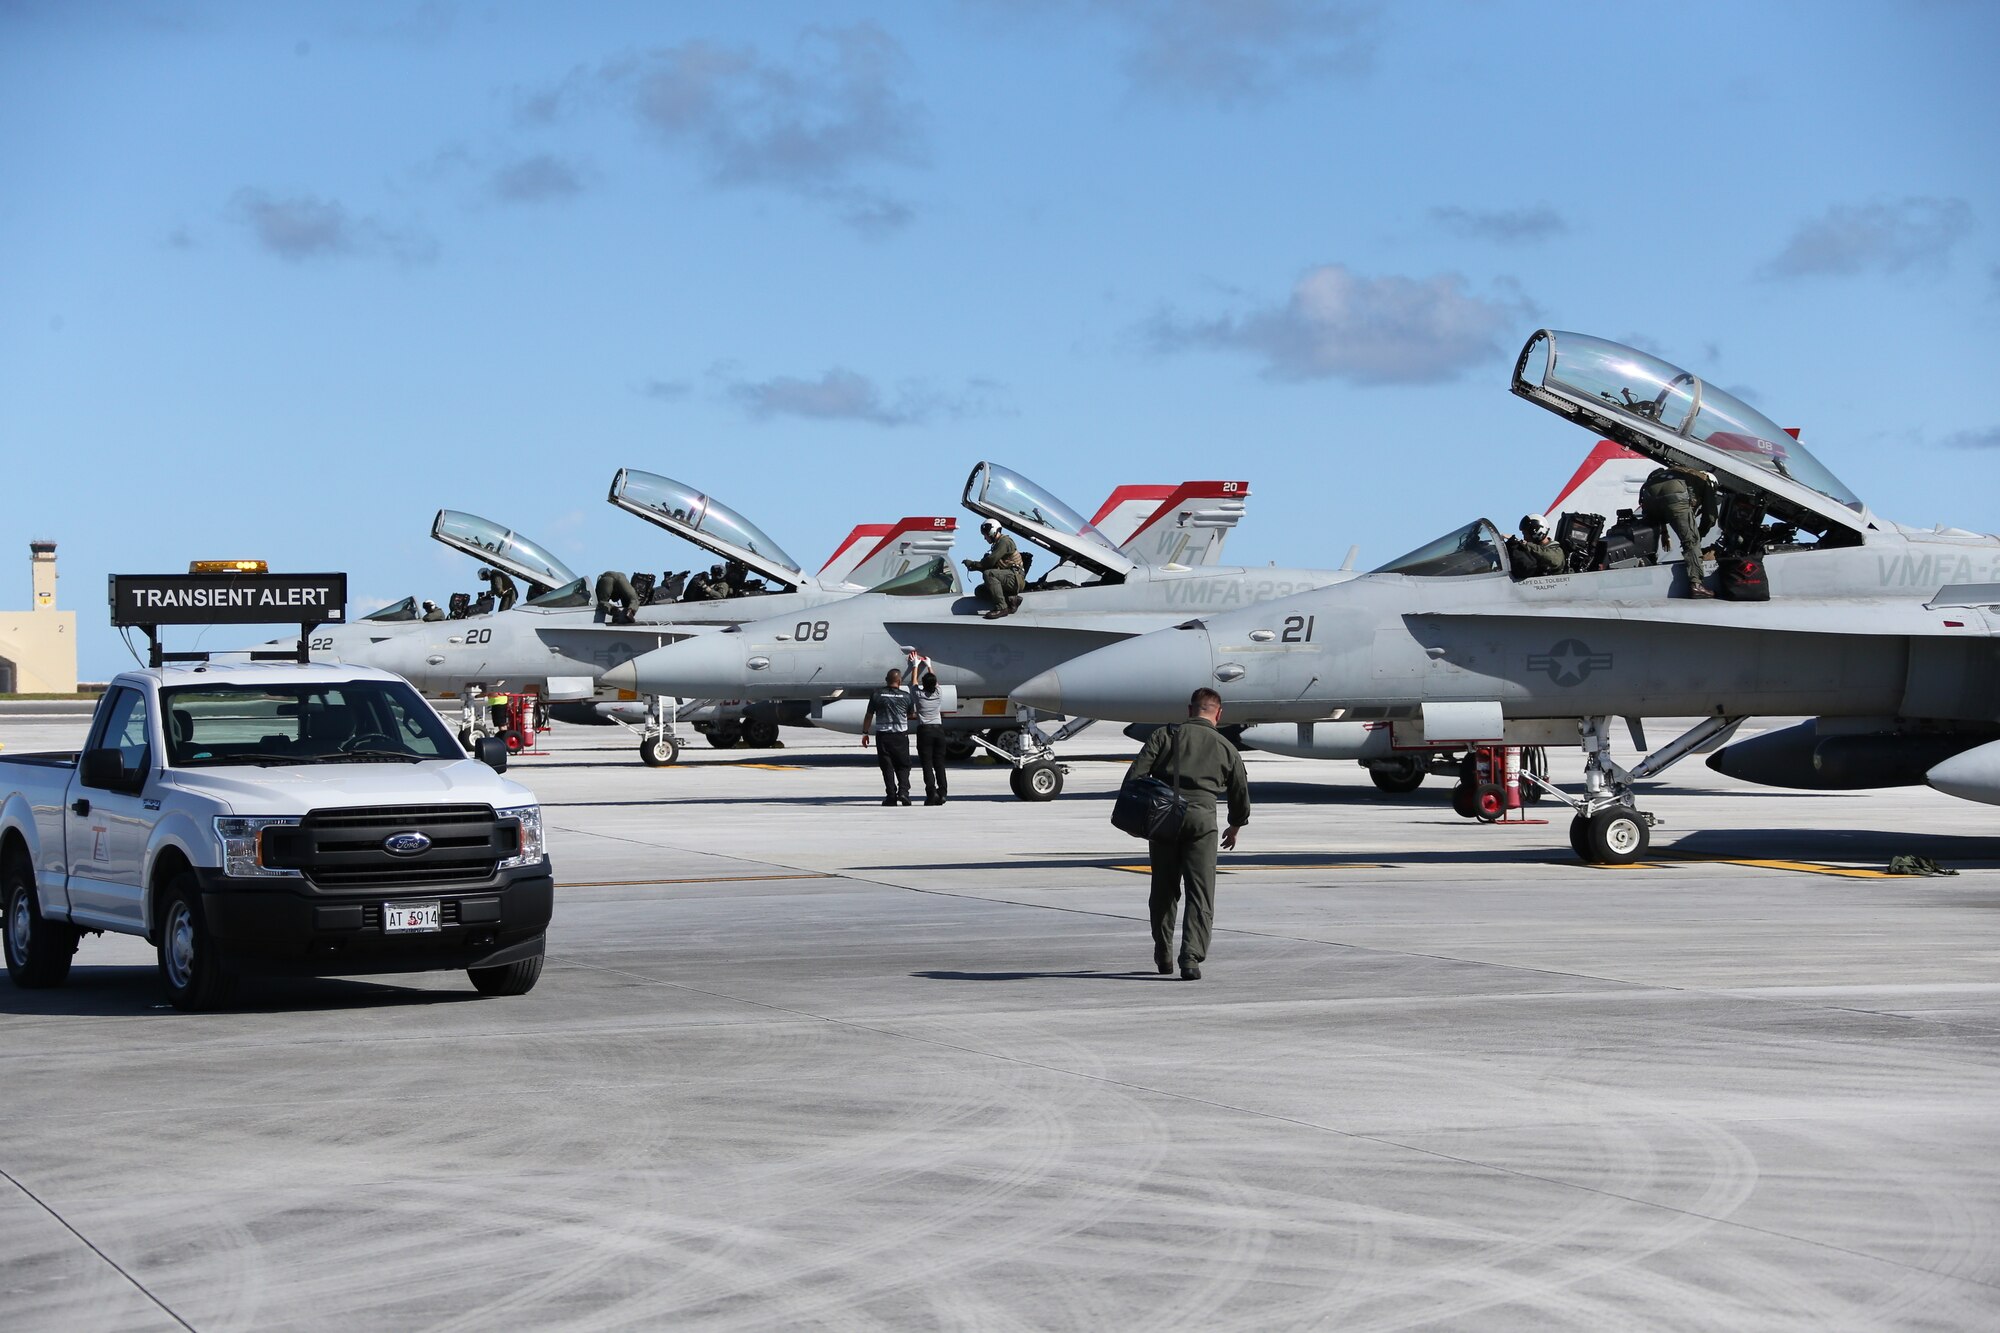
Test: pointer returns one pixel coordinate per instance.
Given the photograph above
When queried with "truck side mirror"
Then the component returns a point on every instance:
(103, 769)
(492, 752)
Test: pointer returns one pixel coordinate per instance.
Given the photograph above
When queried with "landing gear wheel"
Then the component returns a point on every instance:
(508, 978)
(189, 966)
(659, 751)
(958, 746)
(465, 737)
(760, 735)
(1007, 738)
(1489, 802)
(725, 738)
(38, 950)
(1399, 777)
(1041, 781)
(1463, 797)
(1614, 837)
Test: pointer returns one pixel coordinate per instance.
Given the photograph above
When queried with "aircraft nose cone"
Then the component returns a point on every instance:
(707, 666)
(1147, 679)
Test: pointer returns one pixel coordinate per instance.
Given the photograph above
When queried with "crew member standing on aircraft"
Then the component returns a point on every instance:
(1002, 566)
(888, 716)
(927, 706)
(617, 599)
(1207, 766)
(505, 594)
(1534, 553)
(1682, 500)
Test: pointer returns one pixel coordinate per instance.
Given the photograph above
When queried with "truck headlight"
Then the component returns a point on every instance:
(242, 839)
(532, 849)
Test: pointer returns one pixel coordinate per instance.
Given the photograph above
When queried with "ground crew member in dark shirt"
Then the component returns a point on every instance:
(1209, 767)
(1002, 566)
(1684, 501)
(1534, 553)
(888, 716)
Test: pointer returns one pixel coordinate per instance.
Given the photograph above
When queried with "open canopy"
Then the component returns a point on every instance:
(705, 521)
(503, 548)
(1472, 549)
(1672, 415)
(1018, 504)
(932, 578)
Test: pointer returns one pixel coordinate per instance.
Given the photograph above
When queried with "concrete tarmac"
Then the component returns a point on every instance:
(802, 1060)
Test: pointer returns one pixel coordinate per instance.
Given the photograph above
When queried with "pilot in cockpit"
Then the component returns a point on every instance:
(1534, 553)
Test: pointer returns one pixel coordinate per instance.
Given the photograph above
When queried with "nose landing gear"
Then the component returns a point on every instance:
(1608, 829)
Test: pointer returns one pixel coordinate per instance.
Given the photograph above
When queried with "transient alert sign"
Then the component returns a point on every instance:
(227, 599)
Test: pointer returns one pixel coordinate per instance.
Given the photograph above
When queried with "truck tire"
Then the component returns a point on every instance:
(38, 950)
(190, 967)
(659, 751)
(508, 978)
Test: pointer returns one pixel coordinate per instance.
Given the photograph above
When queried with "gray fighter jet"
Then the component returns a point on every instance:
(562, 640)
(1883, 634)
(845, 649)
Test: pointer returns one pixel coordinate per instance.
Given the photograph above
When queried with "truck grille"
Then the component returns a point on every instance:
(343, 849)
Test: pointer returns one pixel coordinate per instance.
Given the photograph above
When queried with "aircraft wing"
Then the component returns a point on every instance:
(1787, 616)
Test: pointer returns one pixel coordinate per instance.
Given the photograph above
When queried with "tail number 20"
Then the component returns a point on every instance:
(1298, 629)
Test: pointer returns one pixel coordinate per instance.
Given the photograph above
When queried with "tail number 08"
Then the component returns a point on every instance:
(810, 631)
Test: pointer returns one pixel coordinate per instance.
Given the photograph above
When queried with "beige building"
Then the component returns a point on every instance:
(38, 646)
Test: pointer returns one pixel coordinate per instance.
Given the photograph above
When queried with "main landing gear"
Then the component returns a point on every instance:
(1608, 830)
(1037, 775)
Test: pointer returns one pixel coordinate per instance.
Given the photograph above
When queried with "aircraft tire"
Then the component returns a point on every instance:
(1489, 802)
(1614, 837)
(1399, 779)
(659, 751)
(1041, 781)
(959, 748)
(725, 738)
(760, 735)
(38, 950)
(508, 978)
(1577, 825)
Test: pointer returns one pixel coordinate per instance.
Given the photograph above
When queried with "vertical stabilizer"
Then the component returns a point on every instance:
(876, 552)
(1189, 525)
(1607, 481)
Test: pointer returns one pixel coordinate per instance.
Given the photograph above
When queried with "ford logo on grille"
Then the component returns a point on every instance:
(406, 844)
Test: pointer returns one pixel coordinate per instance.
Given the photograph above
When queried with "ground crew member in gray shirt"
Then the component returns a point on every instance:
(888, 716)
(1209, 767)
(1002, 566)
(927, 709)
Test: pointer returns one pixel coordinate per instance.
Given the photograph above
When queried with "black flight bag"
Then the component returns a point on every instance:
(1742, 578)
(1149, 808)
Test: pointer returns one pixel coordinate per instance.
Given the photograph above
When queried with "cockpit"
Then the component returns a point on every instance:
(1769, 488)
(1472, 549)
(1030, 511)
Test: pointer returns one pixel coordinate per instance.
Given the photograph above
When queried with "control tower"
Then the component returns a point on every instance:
(38, 646)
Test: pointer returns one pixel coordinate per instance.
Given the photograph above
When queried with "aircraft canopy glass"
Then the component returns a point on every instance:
(403, 610)
(1472, 549)
(1004, 488)
(501, 546)
(1656, 391)
(570, 594)
(930, 579)
(684, 505)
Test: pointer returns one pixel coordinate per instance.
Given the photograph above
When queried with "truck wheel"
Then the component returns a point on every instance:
(1398, 778)
(38, 950)
(1041, 781)
(1614, 837)
(189, 966)
(659, 751)
(508, 978)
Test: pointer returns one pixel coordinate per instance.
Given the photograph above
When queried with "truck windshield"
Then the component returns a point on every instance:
(352, 721)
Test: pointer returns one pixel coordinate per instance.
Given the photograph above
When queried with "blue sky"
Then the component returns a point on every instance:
(281, 280)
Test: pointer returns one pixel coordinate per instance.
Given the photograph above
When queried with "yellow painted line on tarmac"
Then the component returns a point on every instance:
(1223, 867)
(1802, 867)
(696, 879)
(774, 768)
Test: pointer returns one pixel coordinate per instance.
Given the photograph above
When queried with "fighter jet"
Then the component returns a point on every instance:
(846, 648)
(1607, 481)
(1883, 634)
(561, 641)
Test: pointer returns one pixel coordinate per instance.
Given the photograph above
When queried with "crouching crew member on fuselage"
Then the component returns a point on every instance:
(1002, 566)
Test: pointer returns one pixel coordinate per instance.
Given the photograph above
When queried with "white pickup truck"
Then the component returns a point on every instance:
(315, 820)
